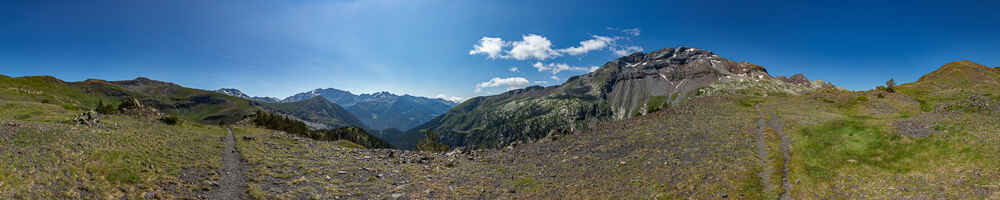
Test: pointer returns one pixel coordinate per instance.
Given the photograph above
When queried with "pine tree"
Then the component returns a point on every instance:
(890, 86)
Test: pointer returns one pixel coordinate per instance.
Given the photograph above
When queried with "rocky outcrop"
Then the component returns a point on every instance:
(670, 74)
(797, 79)
(132, 106)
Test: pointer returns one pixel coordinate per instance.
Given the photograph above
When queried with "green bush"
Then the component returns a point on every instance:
(171, 120)
(890, 86)
(104, 108)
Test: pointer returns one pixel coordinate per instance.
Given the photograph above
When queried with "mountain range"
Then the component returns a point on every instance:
(674, 123)
(376, 111)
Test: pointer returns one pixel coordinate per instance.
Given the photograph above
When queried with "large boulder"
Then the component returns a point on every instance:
(132, 106)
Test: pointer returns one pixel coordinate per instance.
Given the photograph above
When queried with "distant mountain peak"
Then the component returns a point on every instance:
(237, 93)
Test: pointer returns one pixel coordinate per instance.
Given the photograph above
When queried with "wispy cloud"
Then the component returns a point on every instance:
(513, 69)
(624, 51)
(634, 32)
(555, 68)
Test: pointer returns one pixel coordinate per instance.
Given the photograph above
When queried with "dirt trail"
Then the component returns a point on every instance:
(779, 127)
(776, 124)
(233, 184)
(765, 177)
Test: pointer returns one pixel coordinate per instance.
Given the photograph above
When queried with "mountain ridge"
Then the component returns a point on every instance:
(627, 86)
(382, 110)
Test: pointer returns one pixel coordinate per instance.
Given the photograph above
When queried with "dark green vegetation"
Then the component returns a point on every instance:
(350, 133)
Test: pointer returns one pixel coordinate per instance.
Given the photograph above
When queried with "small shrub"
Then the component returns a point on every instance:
(105, 108)
(171, 120)
(890, 86)
(46, 101)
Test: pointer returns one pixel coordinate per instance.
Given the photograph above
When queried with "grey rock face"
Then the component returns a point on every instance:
(667, 73)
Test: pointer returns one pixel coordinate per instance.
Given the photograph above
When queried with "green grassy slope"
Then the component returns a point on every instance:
(191, 104)
(43, 156)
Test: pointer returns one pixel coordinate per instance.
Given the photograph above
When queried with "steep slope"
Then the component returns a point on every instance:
(382, 110)
(620, 89)
(317, 110)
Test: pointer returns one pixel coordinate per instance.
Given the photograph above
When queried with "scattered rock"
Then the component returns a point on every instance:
(89, 118)
(249, 137)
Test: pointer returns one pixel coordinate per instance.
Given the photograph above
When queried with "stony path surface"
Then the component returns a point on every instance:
(765, 175)
(233, 184)
(786, 146)
(776, 124)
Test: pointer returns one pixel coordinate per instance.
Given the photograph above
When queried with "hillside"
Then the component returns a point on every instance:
(623, 88)
(317, 110)
(191, 104)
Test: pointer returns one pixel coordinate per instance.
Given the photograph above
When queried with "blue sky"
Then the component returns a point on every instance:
(429, 48)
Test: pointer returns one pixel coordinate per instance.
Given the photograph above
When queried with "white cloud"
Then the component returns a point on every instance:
(627, 50)
(513, 69)
(599, 42)
(450, 98)
(511, 83)
(554, 77)
(593, 68)
(634, 32)
(491, 46)
(533, 46)
(541, 82)
(555, 68)
(537, 47)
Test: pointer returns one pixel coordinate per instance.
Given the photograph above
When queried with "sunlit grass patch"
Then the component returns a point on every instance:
(856, 143)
